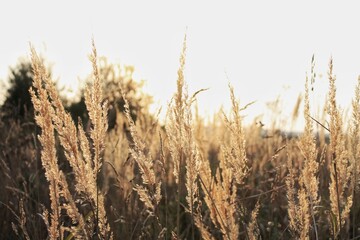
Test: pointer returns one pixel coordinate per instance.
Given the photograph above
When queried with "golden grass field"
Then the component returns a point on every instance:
(181, 179)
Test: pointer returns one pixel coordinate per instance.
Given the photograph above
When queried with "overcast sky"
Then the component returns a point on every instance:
(263, 47)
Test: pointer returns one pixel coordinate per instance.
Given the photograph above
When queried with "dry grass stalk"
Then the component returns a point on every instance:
(22, 221)
(68, 135)
(204, 175)
(355, 134)
(291, 196)
(182, 142)
(309, 176)
(355, 127)
(204, 230)
(175, 114)
(235, 153)
(175, 131)
(222, 199)
(220, 193)
(44, 113)
(206, 182)
(97, 110)
(192, 162)
(253, 229)
(340, 169)
(302, 201)
(150, 191)
(296, 110)
(52, 116)
(355, 148)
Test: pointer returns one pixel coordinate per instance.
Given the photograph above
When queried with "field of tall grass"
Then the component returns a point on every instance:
(181, 179)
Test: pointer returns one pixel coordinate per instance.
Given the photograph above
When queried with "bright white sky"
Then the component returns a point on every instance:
(264, 47)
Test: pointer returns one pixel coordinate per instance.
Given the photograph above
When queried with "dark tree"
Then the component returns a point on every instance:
(18, 101)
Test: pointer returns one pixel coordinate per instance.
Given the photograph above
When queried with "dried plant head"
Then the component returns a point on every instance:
(51, 116)
(150, 190)
(43, 116)
(235, 153)
(341, 168)
(97, 109)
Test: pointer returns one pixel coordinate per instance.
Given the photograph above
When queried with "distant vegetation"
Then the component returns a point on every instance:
(104, 167)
